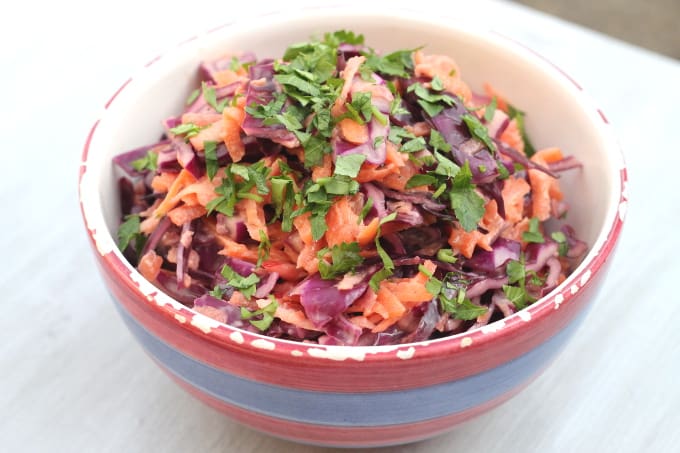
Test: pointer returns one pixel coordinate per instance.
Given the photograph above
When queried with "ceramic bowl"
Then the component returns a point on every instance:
(360, 396)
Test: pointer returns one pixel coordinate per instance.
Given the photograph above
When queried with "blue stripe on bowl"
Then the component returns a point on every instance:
(359, 409)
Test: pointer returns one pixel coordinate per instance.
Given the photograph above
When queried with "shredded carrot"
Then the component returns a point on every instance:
(233, 118)
(161, 183)
(253, 214)
(544, 188)
(325, 170)
(212, 133)
(367, 233)
(352, 131)
(501, 103)
(512, 136)
(150, 265)
(171, 199)
(342, 222)
(182, 214)
(443, 67)
(514, 191)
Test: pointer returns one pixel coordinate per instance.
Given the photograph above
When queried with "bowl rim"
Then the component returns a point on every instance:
(604, 244)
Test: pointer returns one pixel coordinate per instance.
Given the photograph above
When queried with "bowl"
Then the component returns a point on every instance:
(360, 396)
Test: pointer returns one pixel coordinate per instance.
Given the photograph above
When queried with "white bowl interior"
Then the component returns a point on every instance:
(558, 114)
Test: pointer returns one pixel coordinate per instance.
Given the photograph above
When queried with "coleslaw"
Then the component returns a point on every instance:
(344, 196)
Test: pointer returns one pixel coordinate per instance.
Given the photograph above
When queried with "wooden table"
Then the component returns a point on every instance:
(72, 378)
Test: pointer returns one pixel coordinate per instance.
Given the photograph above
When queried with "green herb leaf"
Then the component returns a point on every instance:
(533, 234)
(436, 84)
(388, 264)
(515, 272)
(263, 248)
(246, 285)
(490, 110)
(148, 162)
(518, 115)
(210, 152)
(365, 210)
(446, 256)
(413, 145)
(561, 240)
(518, 296)
(186, 129)
(193, 96)
(478, 130)
(349, 165)
(437, 141)
(210, 96)
(466, 204)
(266, 313)
(433, 285)
(128, 231)
(345, 258)
(420, 180)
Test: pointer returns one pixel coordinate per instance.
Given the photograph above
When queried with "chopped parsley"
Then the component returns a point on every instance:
(465, 202)
(186, 129)
(246, 285)
(265, 315)
(533, 234)
(478, 130)
(388, 264)
(517, 274)
(561, 239)
(211, 164)
(263, 248)
(349, 165)
(432, 103)
(344, 258)
(128, 233)
(451, 295)
(490, 110)
(147, 162)
(210, 96)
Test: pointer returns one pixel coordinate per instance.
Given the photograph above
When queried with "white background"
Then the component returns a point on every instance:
(72, 378)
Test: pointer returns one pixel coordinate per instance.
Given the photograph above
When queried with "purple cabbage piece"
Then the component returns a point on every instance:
(228, 314)
(168, 281)
(422, 199)
(493, 261)
(371, 191)
(576, 247)
(424, 240)
(323, 301)
(449, 122)
(343, 331)
(406, 212)
(266, 285)
(282, 329)
(234, 227)
(261, 91)
(209, 68)
(156, 235)
(537, 255)
(568, 163)
(241, 267)
(521, 159)
(429, 315)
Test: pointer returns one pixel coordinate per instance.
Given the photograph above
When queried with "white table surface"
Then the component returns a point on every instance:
(73, 379)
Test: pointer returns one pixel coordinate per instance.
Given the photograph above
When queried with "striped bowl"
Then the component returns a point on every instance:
(359, 396)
